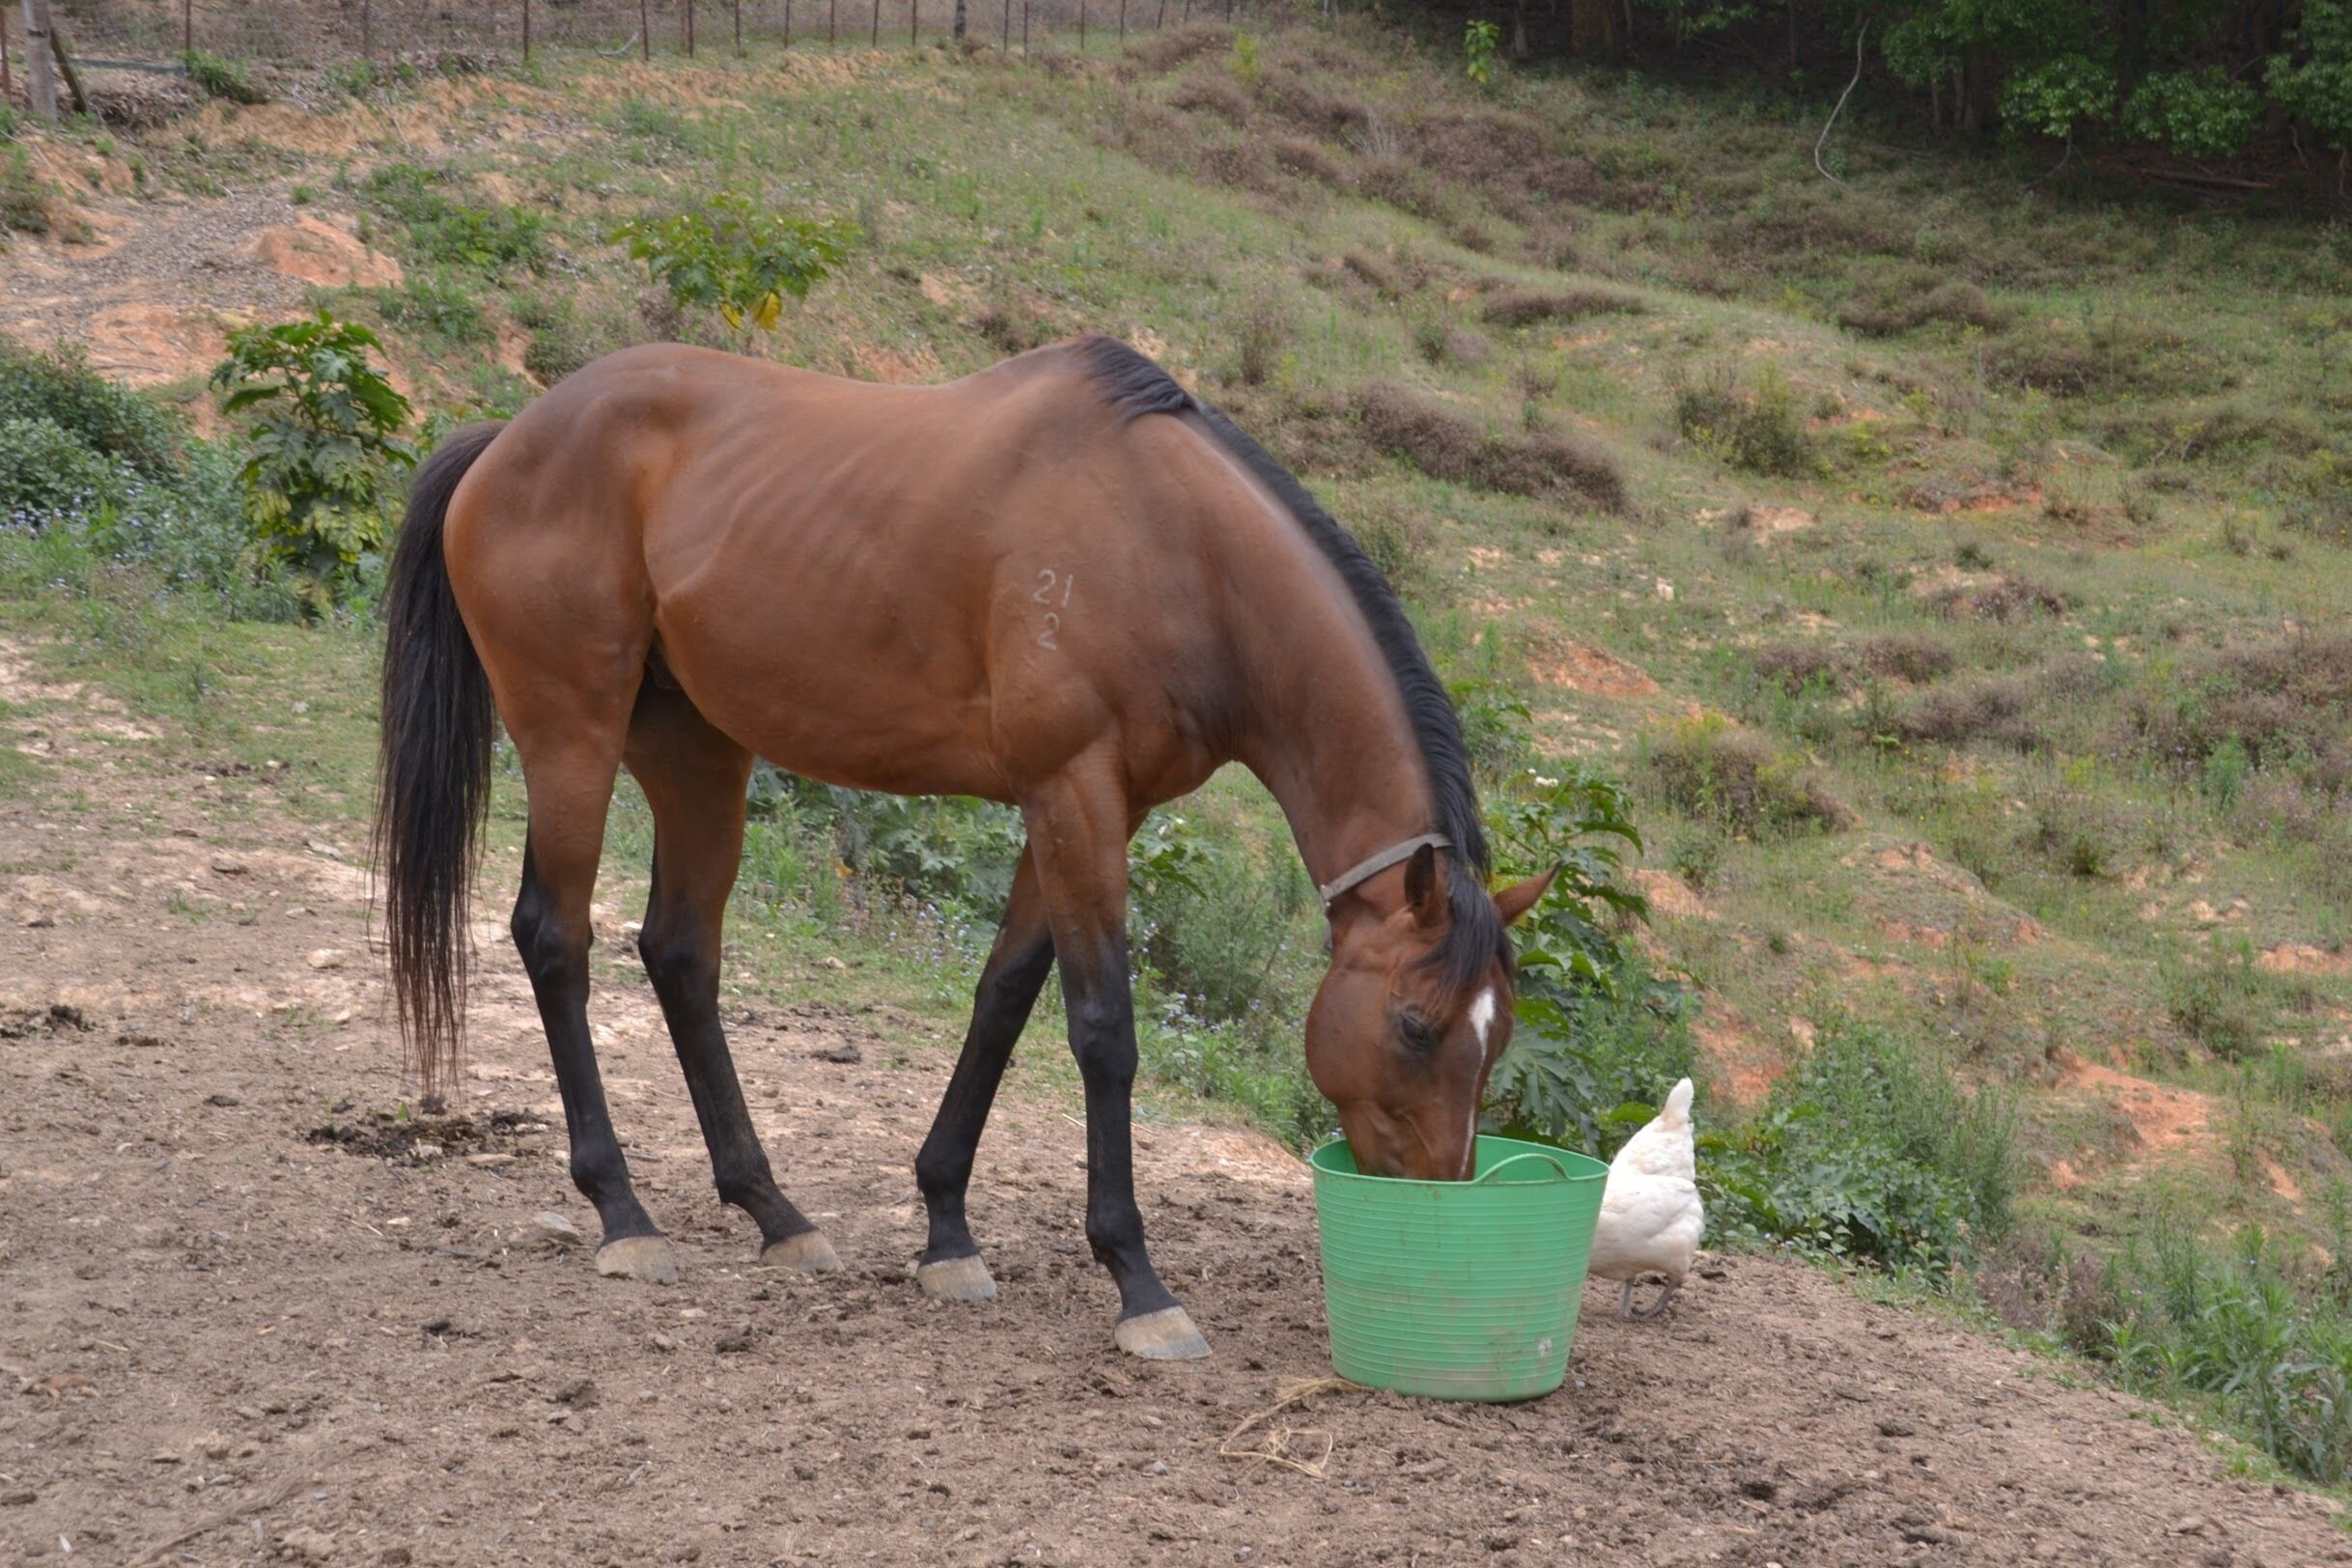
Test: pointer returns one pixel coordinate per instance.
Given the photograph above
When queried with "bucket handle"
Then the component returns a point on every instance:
(1501, 1165)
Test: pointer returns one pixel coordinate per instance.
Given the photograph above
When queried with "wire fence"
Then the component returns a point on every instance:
(296, 34)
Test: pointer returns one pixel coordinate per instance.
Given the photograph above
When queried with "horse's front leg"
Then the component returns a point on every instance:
(1018, 964)
(1078, 828)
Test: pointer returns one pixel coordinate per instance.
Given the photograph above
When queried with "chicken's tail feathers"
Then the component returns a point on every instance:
(1678, 1103)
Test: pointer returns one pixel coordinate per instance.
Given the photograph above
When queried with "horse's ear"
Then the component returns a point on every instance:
(1425, 887)
(1519, 898)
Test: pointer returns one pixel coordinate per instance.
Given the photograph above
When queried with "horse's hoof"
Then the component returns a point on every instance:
(1164, 1335)
(807, 1252)
(957, 1279)
(638, 1258)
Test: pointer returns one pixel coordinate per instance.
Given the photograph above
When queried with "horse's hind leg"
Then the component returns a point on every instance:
(1016, 971)
(570, 788)
(693, 777)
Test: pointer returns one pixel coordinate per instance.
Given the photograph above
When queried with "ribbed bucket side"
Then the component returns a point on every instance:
(1457, 1290)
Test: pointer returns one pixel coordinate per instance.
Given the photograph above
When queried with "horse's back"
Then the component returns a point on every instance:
(898, 587)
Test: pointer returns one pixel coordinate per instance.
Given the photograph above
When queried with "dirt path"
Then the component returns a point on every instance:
(231, 1334)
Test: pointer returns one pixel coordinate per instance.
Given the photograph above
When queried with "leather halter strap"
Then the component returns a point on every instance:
(1365, 870)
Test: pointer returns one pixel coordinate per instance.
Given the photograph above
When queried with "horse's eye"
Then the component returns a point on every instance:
(1416, 1033)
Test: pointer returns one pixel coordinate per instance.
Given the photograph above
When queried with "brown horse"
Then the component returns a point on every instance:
(1063, 583)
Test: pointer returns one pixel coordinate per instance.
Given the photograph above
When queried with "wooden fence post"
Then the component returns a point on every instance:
(1122, 22)
(37, 59)
(1081, 27)
(686, 14)
(914, 19)
(645, 27)
(526, 32)
(874, 32)
(1004, 46)
(1024, 29)
(788, 23)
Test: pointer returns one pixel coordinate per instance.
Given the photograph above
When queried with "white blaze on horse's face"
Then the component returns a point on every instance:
(1482, 1014)
(1481, 1020)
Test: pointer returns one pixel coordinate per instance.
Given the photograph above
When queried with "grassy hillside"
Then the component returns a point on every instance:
(1947, 566)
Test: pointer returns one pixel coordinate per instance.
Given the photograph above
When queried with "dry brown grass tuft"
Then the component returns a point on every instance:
(1525, 307)
(1212, 92)
(1447, 445)
(1987, 708)
(1905, 299)
(2005, 600)
(1551, 243)
(1158, 53)
(2120, 356)
(1310, 161)
(1308, 105)
(1907, 656)
(1794, 666)
(2283, 705)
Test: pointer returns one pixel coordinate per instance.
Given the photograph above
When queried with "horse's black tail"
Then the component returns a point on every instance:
(432, 771)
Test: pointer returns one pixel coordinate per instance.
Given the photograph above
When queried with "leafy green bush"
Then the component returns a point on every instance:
(74, 444)
(2222, 1000)
(733, 255)
(2250, 1323)
(1759, 431)
(2314, 84)
(2202, 113)
(438, 305)
(949, 852)
(46, 472)
(1596, 1037)
(98, 476)
(104, 416)
(24, 203)
(1222, 930)
(490, 239)
(324, 446)
(222, 78)
(2059, 97)
(1869, 1151)
(1738, 780)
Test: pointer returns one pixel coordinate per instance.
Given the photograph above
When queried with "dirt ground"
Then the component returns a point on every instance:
(249, 1315)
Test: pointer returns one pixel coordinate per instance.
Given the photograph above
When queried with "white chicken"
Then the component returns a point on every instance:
(1650, 1213)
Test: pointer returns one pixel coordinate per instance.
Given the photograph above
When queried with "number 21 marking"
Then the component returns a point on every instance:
(1047, 581)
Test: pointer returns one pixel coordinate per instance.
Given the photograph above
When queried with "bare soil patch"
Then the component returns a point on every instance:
(229, 1338)
(1581, 667)
(2165, 1118)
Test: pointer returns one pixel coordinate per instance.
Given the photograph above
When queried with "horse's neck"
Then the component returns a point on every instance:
(1329, 735)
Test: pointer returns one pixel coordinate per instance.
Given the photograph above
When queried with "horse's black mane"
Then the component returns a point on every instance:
(1135, 386)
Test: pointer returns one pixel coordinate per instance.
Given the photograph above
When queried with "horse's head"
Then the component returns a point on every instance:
(1402, 1036)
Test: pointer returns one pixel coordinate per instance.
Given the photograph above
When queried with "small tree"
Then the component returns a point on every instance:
(324, 446)
(1479, 41)
(729, 254)
(1596, 1031)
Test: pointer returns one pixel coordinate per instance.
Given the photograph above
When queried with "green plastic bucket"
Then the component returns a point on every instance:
(1457, 1290)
